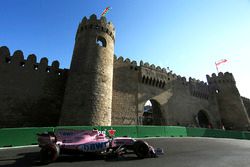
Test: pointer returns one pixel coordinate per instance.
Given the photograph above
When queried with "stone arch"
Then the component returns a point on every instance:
(150, 81)
(152, 114)
(147, 79)
(143, 79)
(160, 84)
(153, 82)
(157, 82)
(203, 120)
(163, 84)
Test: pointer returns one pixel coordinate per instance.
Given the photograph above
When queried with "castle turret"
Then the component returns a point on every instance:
(232, 110)
(88, 94)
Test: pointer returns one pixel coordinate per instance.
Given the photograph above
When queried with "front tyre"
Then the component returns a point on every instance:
(141, 149)
(49, 153)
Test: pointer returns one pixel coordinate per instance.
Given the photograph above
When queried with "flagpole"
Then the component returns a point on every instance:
(216, 68)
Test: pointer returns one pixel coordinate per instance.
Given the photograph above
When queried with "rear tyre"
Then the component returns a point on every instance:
(141, 149)
(49, 153)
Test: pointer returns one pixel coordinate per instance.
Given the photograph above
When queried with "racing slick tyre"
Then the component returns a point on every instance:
(49, 153)
(141, 149)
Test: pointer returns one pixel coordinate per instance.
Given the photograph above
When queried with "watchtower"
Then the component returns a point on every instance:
(88, 94)
(232, 110)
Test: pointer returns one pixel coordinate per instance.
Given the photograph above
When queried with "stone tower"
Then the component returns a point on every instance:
(232, 111)
(88, 94)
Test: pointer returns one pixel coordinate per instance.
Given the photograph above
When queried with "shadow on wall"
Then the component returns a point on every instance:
(43, 112)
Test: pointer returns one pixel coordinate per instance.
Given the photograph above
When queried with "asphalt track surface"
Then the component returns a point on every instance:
(179, 152)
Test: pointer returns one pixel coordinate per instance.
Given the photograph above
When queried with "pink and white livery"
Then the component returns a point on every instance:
(67, 141)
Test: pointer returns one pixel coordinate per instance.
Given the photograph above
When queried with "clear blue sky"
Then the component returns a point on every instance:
(186, 35)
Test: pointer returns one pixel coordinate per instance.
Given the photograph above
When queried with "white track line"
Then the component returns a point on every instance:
(16, 147)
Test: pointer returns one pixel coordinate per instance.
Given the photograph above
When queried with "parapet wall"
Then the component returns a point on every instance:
(17, 60)
(96, 24)
(151, 74)
(198, 88)
(159, 77)
(220, 78)
(245, 99)
(30, 93)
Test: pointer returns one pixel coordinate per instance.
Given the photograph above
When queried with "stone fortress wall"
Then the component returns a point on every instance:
(30, 92)
(96, 91)
(179, 100)
(246, 102)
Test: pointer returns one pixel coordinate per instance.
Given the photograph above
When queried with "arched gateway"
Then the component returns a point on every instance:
(152, 114)
(203, 120)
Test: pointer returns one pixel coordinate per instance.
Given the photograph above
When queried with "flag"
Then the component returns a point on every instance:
(105, 11)
(220, 62)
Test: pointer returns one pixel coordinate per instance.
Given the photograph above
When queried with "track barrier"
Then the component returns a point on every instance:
(27, 136)
(20, 136)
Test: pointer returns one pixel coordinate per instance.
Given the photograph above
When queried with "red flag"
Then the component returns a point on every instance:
(220, 62)
(105, 11)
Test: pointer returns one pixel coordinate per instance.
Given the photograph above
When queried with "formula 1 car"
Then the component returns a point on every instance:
(71, 142)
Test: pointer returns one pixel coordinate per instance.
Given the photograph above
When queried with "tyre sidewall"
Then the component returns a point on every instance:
(49, 153)
(141, 149)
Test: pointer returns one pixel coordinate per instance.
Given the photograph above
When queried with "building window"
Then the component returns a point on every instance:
(101, 41)
(48, 70)
(217, 91)
(7, 60)
(36, 67)
(22, 64)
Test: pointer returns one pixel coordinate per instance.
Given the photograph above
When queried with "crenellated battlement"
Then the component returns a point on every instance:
(126, 61)
(157, 76)
(196, 81)
(132, 64)
(153, 67)
(170, 75)
(163, 73)
(198, 88)
(17, 59)
(152, 74)
(93, 23)
(220, 78)
(245, 99)
(181, 80)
